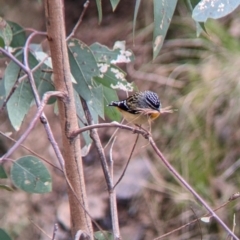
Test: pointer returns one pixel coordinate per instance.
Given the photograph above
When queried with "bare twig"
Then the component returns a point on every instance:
(55, 231)
(104, 125)
(198, 222)
(18, 81)
(195, 220)
(85, 6)
(37, 99)
(111, 157)
(33, 122)
(112, 194)
(34, 224)
(31, 151)
(169, 167)
(128, 161)
(190, 189)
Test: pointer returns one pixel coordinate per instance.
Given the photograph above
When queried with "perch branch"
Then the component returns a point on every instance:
(169, 167)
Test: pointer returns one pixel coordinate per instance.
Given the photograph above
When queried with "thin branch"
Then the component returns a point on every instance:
(46, 96)
(195, 220)
(55, 228)
(109, 180)
(12, 57)
(128, 161)
(190, 189)
(18, 81)
(39, 228)
(85, 6)
(107, 125)
(198, 222)
(111, 157)
(169, 167)
(31, 151)
(37, 100)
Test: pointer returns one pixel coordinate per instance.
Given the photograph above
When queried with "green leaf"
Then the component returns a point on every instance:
(45, 85)
(103, 235)
(117, 55)
(114, 4)
(5, 32)
(99, 8)
(2, 172)
(163, 12)
(29, 174)
(4, 235)
(213, 9)
(84, 68)
(199, 25)
(19, 35)
(96, 104)
(113, 77)
(112, 112)
(82, 123)
(2, 44)
(19, 103)
(2, 92)
(135, 16)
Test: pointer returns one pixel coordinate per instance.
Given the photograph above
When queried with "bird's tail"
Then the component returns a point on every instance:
(114, 104)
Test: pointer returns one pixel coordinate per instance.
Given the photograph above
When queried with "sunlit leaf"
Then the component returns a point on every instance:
(113, 77)
(4, 235)
(213, 9)
(205, 219)
(116, 55)
(114, 4)
(5, 32)
(29, 174)
(163, 12)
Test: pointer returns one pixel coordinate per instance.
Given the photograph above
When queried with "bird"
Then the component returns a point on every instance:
(139, 108)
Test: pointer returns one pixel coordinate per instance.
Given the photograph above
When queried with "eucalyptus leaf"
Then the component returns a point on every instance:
(114, 4)
(163, 12)
(5, 32)
(99, 8)
(82, 122)
(22, 97)
(136, 9)
(84, 68)
(2, 172)
(29, 174)
(4, 235)
(19, 35)
(111, 112)
(113, 77)
(213, 9)
(118, 54)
